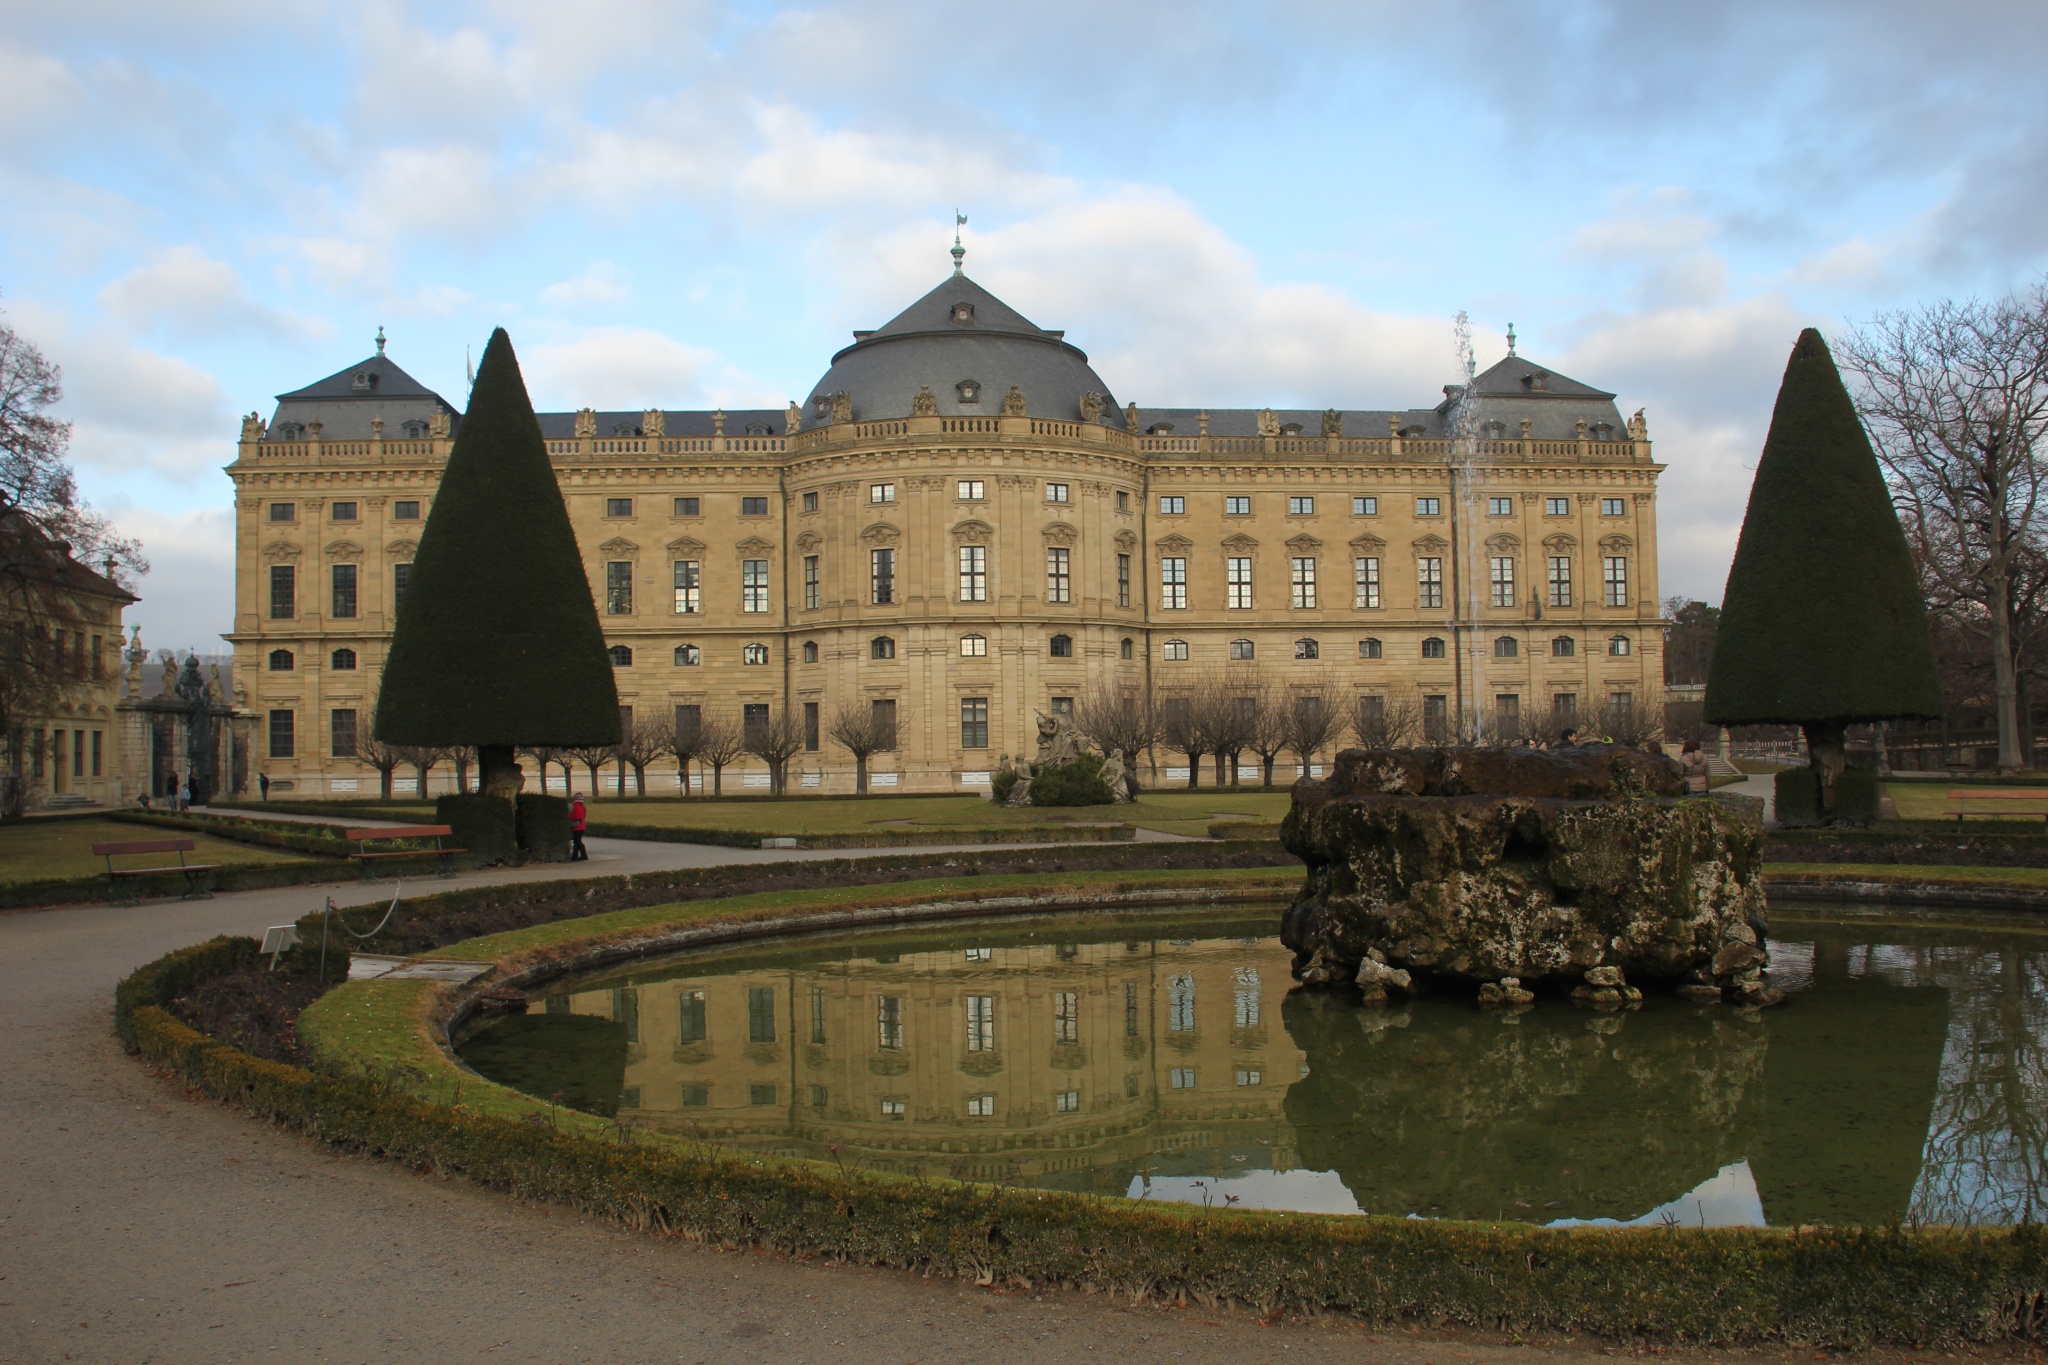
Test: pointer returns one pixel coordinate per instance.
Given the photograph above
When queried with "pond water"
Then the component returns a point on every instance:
(1165, 1057)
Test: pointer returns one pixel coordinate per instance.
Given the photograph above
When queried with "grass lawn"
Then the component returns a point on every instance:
(34, 850)
(1918, 872)
(1929, 801)
(1171, 812)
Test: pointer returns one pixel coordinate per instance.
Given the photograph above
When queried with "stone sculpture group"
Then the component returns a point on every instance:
(1061, 742)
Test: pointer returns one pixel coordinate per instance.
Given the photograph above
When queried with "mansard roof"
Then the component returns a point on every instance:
(346, 402)
(377, 378)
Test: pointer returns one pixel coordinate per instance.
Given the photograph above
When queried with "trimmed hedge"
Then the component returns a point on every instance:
(875, 838)
(1798, 797)
(232, 877)
(481, 824)
(543, 827)
(321, 840)
(1075, 783)
(1857, 794)
(1825, 1286)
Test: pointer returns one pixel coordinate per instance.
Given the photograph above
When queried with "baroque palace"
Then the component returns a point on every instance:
(962, 525)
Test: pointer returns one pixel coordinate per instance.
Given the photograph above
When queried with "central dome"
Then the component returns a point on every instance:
(969, 348)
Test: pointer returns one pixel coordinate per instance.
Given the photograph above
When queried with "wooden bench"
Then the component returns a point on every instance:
(124, 879)
(1999, 800)
(370, 857)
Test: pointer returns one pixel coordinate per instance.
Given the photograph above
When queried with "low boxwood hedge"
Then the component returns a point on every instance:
(1061, 833)
(1828, 1286)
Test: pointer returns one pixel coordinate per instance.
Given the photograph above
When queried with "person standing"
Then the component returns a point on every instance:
(263, 782)
(578, 817)
(185, 794)
(1698, 775)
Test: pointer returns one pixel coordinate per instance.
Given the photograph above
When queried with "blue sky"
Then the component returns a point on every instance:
(205, 204)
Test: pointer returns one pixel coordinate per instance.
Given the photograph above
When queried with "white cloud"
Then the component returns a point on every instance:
(35, 91)
(188, 294)
(596, 286)
(188, 596)
(632, 368)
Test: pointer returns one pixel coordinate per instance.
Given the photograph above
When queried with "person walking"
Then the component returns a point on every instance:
(578, 818)
(263, 782)
(185, 794)
(1698, 775)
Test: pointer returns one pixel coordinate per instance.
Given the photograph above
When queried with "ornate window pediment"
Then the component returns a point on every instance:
(973, 530)
(1615, 545)
(1240, 544)
(279, 550)
(1126, 540)
(881, 533)
(1503, 544)
(1304, 544)
(346, 551)
(618, 547)
(1174, 545)
(1560, 544)
(402, 549)
(753, 547)
(1059, 533)
(1432, 545)
(808, 541)
(685, 547)
(1368, 545)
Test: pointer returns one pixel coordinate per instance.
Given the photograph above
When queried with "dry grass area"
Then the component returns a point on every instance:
(36, 850)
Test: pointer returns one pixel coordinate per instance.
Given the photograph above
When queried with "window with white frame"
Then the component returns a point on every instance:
(1237, 582)
(1301, 507)
(689, 580)
(881, 492)
(1237, 506)
(1056, 492)
(981, 1106)
(1557, 507)
(1613, 507)
(1180, 1078)
(1172, 506)
(1500, 507)
(1250, 1076)
(1365, 507)
(1244, 997)
(1429, 507)
(753, 585)
(1059, 578)
(811, 583)
(981, 1023)
(1174, 651)
(1242, 649)
(1560, 580)
(1429, 582)
(1365, 581)
(974, 573)
(1180, 1004)
(754, 654)
(1500, 578)
(1370, 648)
(972, 490)
(974, 646)
(1614, 580)
(1067, 1101)
(1173, 583)
(1066, 1017)
(1301, 581)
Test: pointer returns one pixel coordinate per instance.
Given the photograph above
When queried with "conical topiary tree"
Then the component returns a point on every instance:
(497, 643)
(1822, 624)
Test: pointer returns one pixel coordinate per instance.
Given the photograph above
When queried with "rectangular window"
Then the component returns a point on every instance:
(760, 1014)
(1564, 705)
(1173, 584)
(1507, 711)
(98, 750)
(1066, 1016)
(760, 1094)
(1173, 507)
(1365, 581)
(1500, 578)
(341, 727)
(693, 1026)
(1123, 500)
(1429, 507)
(981, 1106)
(343, 511)
(618, 587)
(1059, 580)
(817, 1014)
(981, 1023)
(618, 507)
(1131, 1003)
(753, 718)
(689, 574)
(1365, 507)
(1301, 507)
(344, 591)
(78, 753)
(689, 507)
(1123, 580)
(1613, 507)
(1557, 507)
(284, 511)
(400, 574)
(974, 573)
(1237, 507)
(754, 585)
(1436, 717)
(1180, 1004)
(1614, 580)
(284, 592)
(1301, 581)
(810, 727)
(1237, 582)
(889, 1022)
(974, 722)
(972, 490)
(1500, 507)
(405, 510)
(696, 1096)
(753, 507)
(1056, 492)
(882, 576)
(881, 492)
(1560, 580)
(1181, 1078)
(1244, 1000)
(282, 737)
(1247, 1076)
(811, 589)
(626, 1010)
(1429, 591)
(1067, 1102)
(810, 502)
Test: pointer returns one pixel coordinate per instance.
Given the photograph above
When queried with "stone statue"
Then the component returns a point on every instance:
(842, 407)
(1131, 418)
(1020, 790)
(718, 422)
(1202, 422)
(1091, 407)
(1269, 422)
(1116, 778)
(170, 688)
(795, 418)
(1013, 402)
(136, 654)
(252, 427)
(654, 422)
(925, 404)
(1333, 422)
(586, 422)
(1058, 741)
(215, 693)
(438, 425)
(376, 428)
(1638, 429)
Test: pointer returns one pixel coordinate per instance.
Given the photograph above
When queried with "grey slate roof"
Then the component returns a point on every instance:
(347, 401)
(560, 426)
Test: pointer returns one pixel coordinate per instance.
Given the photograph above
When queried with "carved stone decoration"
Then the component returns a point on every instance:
(1393, 426)
(1131, 418)
(1368, 544)
(1126, 541)
(313, 429)
(1638, 428)
(1431, 545)
(1304, 544)
(654, 422)
(809, 541)
(1580, 427)
(438, 425)
(344, 551)
(1060, 533)
(795, 418)
(842, 407)
(881, 533)
(1588, 499)
(376, 428)
(685, 547)
(1013, 402)
(1091, 407)
(248, 504)
(1560, 544)
(1616, 544)
(1504, 544)
(253, 428)
(618, 547)
(1269, 422)
(402, 549)
(1240, 544)
(926, 403)
(973, 532)
(278, 551)
(1173, 545)
(753, 547)
(1333, 422)
(586, 422)
(1202, 422)
(718, 422)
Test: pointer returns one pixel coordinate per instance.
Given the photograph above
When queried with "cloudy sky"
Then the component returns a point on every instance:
(204, 204)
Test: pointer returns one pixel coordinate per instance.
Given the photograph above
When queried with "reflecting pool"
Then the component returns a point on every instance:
(1164, 1057)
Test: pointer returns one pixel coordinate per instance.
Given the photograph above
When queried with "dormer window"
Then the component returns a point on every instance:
(625, 429)
(1160, 429)
(963, 312)
(822, 405)
(1537, 380)
(415, 430)
(1603, 431)
(969, 390)
(759, 429)
(364, 381)
(1414, 433)
(1290, 428)
(289, 431)
(1494, 431)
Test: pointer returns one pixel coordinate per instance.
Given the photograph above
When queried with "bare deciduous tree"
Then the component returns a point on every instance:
(1381, 722)
(593, 757)
(545, 754)
(1313, 723)
(863, 729)
(775, 741)
(1269, 731)
(686, 742)
(646, 739)
(719, 743)
(385, 758)
(1123, 723)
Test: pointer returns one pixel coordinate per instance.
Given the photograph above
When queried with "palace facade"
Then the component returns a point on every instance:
(961, 525)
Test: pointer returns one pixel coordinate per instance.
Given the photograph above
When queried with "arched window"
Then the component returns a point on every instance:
(810, 651)
(1243, 649)
(288, 431)
(1306, 648)
(415, 430)
(1563, 647)
(621, 656)
(281, 661)
(1127, 649)
(1370, 649)
(1174, 649)
(1506, 647)
(882, 647)
(343, 660)
(1433, 648)
(754, 654)
(688, 656)
(974, 646)
(1062, 646)
(1617, 644)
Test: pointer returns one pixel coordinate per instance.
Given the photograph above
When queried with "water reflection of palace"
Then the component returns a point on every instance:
(1054, 1063)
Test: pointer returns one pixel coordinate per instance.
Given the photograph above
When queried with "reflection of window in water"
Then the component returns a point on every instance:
(1182, 1078)
(1180, 1004)
(558, 1004)
(761, 1094)
(761, 1016)
(1067, 1101)
(1247, 998)
(819, 1095)
(626, 1009)
(1130, 1009)
(889, 1022)
(1249, 1077)
(1066, 1016)
(692, 1011)
(817, 1014)
(629, 1097)
(980, 1106)
(893, 1109)
(696, 1096)
(980, 954)
(981, 1023)
(1130, 1085)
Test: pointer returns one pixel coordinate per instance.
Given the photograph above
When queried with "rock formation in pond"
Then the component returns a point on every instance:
(1581, 870)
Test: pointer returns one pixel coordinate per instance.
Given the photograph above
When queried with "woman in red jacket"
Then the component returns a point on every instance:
(577, 819)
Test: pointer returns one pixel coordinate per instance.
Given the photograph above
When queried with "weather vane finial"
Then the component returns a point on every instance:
(959, 251)
(380, 338)
(1511, 338)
